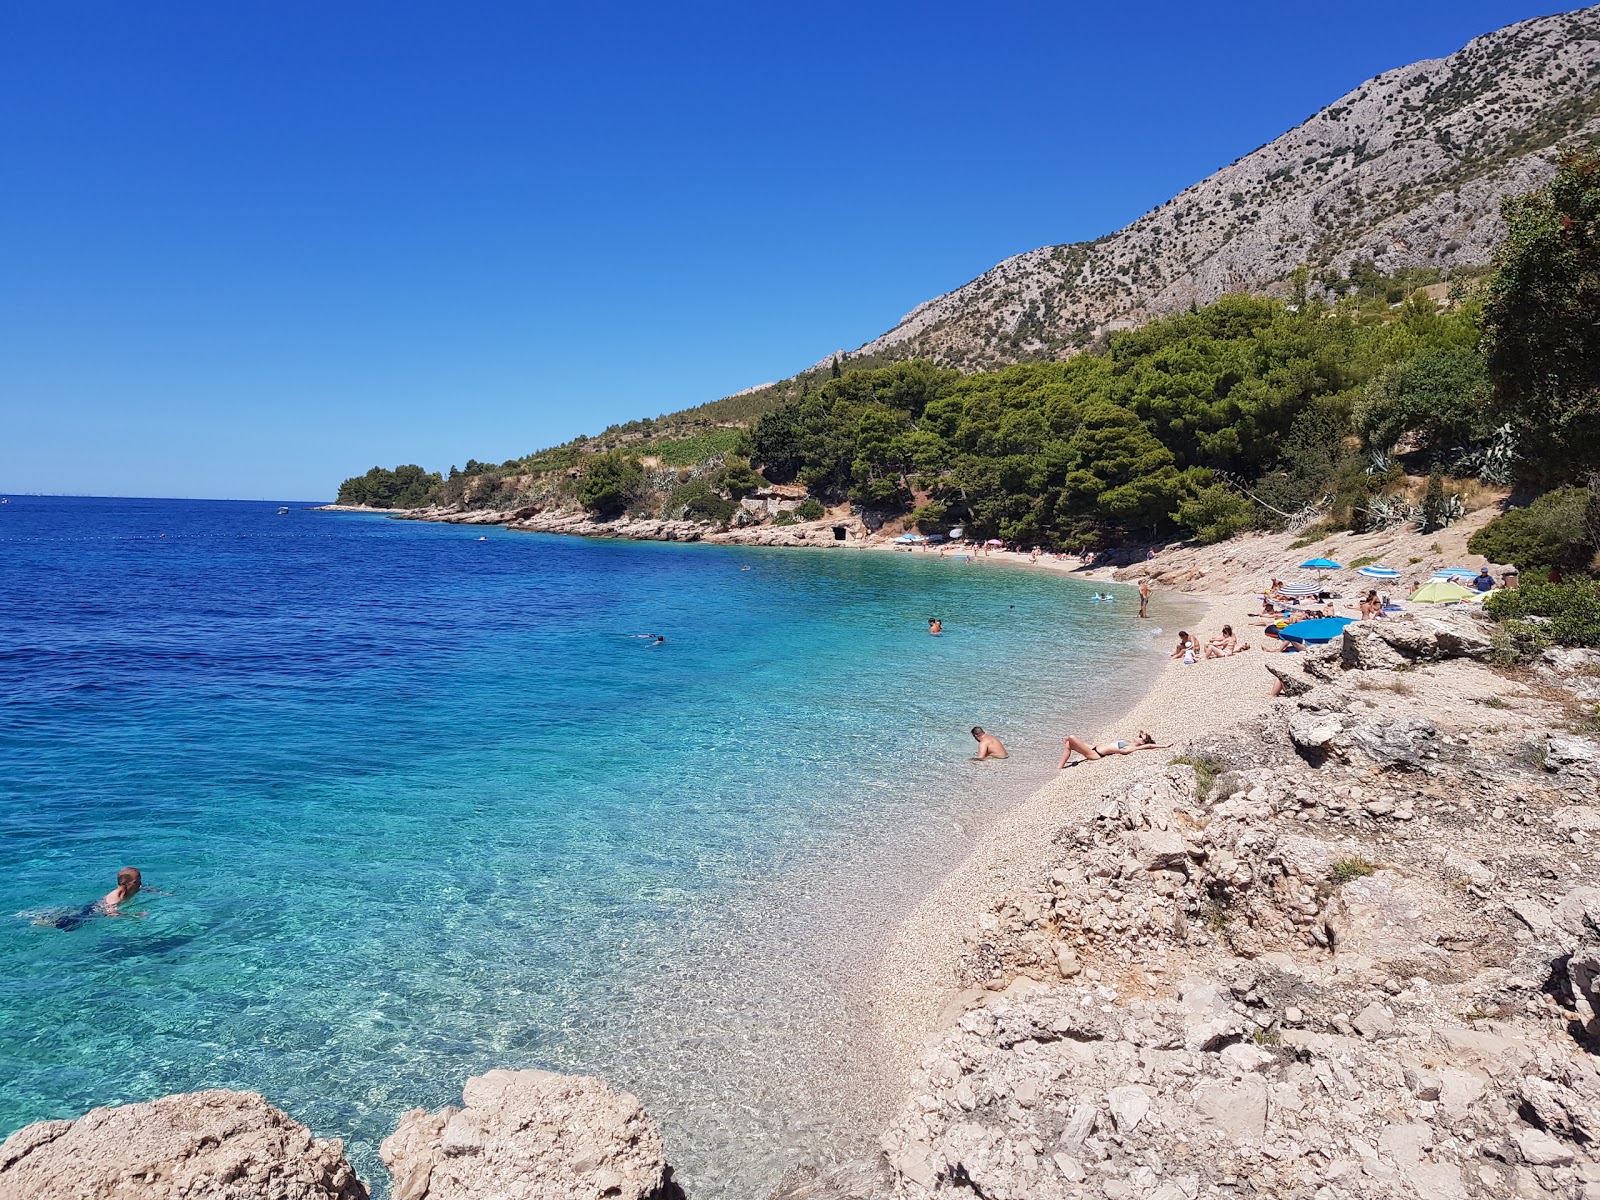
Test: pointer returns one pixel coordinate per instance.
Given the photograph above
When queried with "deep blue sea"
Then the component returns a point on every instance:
(427, 805)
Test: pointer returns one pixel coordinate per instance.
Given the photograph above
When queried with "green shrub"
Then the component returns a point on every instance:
(737, 479)
(1206, 771)
(1215, 513)
(612, 482)
(1572, 609)
(1551, 532)
(809, 509)
(930, 517)
(1518, 642)
(1353, 867)
(785, 518)
(697, 502)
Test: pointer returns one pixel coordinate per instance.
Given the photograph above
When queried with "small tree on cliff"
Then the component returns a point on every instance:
(611, 483)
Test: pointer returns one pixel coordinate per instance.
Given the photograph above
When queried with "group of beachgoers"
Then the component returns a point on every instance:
(1225, 645)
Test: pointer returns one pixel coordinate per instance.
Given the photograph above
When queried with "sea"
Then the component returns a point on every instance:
(425, 800)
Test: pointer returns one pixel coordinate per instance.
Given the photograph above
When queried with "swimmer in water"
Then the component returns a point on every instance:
(660, 641)
(129, 884)
(989, 746)
(935, 626)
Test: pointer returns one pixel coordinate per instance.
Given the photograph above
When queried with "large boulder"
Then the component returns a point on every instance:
(530, 1135)
(1362, 649)
(1447, 633)
(220, 1145)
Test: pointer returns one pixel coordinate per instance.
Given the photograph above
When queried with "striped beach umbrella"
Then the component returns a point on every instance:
(1299, 589)
(1378, 572)
(1455, 573)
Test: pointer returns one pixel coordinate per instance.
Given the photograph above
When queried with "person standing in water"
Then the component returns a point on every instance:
(989, 746)
(1144, 597)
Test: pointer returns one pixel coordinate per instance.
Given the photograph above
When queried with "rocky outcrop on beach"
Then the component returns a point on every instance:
(220, 1145)
(531, 1135)
(1350, 951)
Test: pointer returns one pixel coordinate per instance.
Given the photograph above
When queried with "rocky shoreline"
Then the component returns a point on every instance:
(831, 532)
(1344, 943)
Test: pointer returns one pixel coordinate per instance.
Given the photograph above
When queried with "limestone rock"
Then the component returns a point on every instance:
(1573, 755)
(1541, 1150)
(1362, 649)
(1239, 1109)
(1157, 850)
(220, 1145)
(1395, 743)
(531, 1135)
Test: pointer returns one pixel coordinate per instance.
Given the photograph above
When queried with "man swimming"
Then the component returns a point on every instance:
(1141, 741)
(989, 746)
(935, 626)
(129, 883)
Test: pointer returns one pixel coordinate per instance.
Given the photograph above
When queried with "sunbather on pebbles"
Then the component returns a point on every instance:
(1225, 644)
(1076, 745)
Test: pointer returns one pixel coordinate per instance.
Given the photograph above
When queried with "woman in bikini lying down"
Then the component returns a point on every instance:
(1142, 741)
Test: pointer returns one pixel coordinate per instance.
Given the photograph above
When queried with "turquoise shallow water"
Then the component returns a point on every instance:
(425, 807)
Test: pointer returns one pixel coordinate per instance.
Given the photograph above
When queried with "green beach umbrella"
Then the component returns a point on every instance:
(1441, 591)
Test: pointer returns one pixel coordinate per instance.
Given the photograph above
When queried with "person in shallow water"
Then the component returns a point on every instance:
(129, 884)
(935, 626)
(989, 746)
(1141, 741)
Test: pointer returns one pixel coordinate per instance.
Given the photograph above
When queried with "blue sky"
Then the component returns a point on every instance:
(248, 249)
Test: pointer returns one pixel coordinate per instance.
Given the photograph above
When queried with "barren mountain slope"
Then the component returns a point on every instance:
(1407, 170)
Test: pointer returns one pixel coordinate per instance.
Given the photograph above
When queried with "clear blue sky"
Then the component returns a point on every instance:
(247, 249)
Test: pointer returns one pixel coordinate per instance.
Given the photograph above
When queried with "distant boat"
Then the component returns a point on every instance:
(283, 511)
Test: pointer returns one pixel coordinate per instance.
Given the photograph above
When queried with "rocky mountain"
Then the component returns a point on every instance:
(1406, 170)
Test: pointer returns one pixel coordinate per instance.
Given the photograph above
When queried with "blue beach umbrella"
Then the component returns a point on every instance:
(1378, 572)
(1455, 573)
(1300, 589)
(1319, 564)
(1324, 629)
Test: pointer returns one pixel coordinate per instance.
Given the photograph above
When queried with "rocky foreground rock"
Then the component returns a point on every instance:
(531, 1135)
(522, 1135)
(217, 1144)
